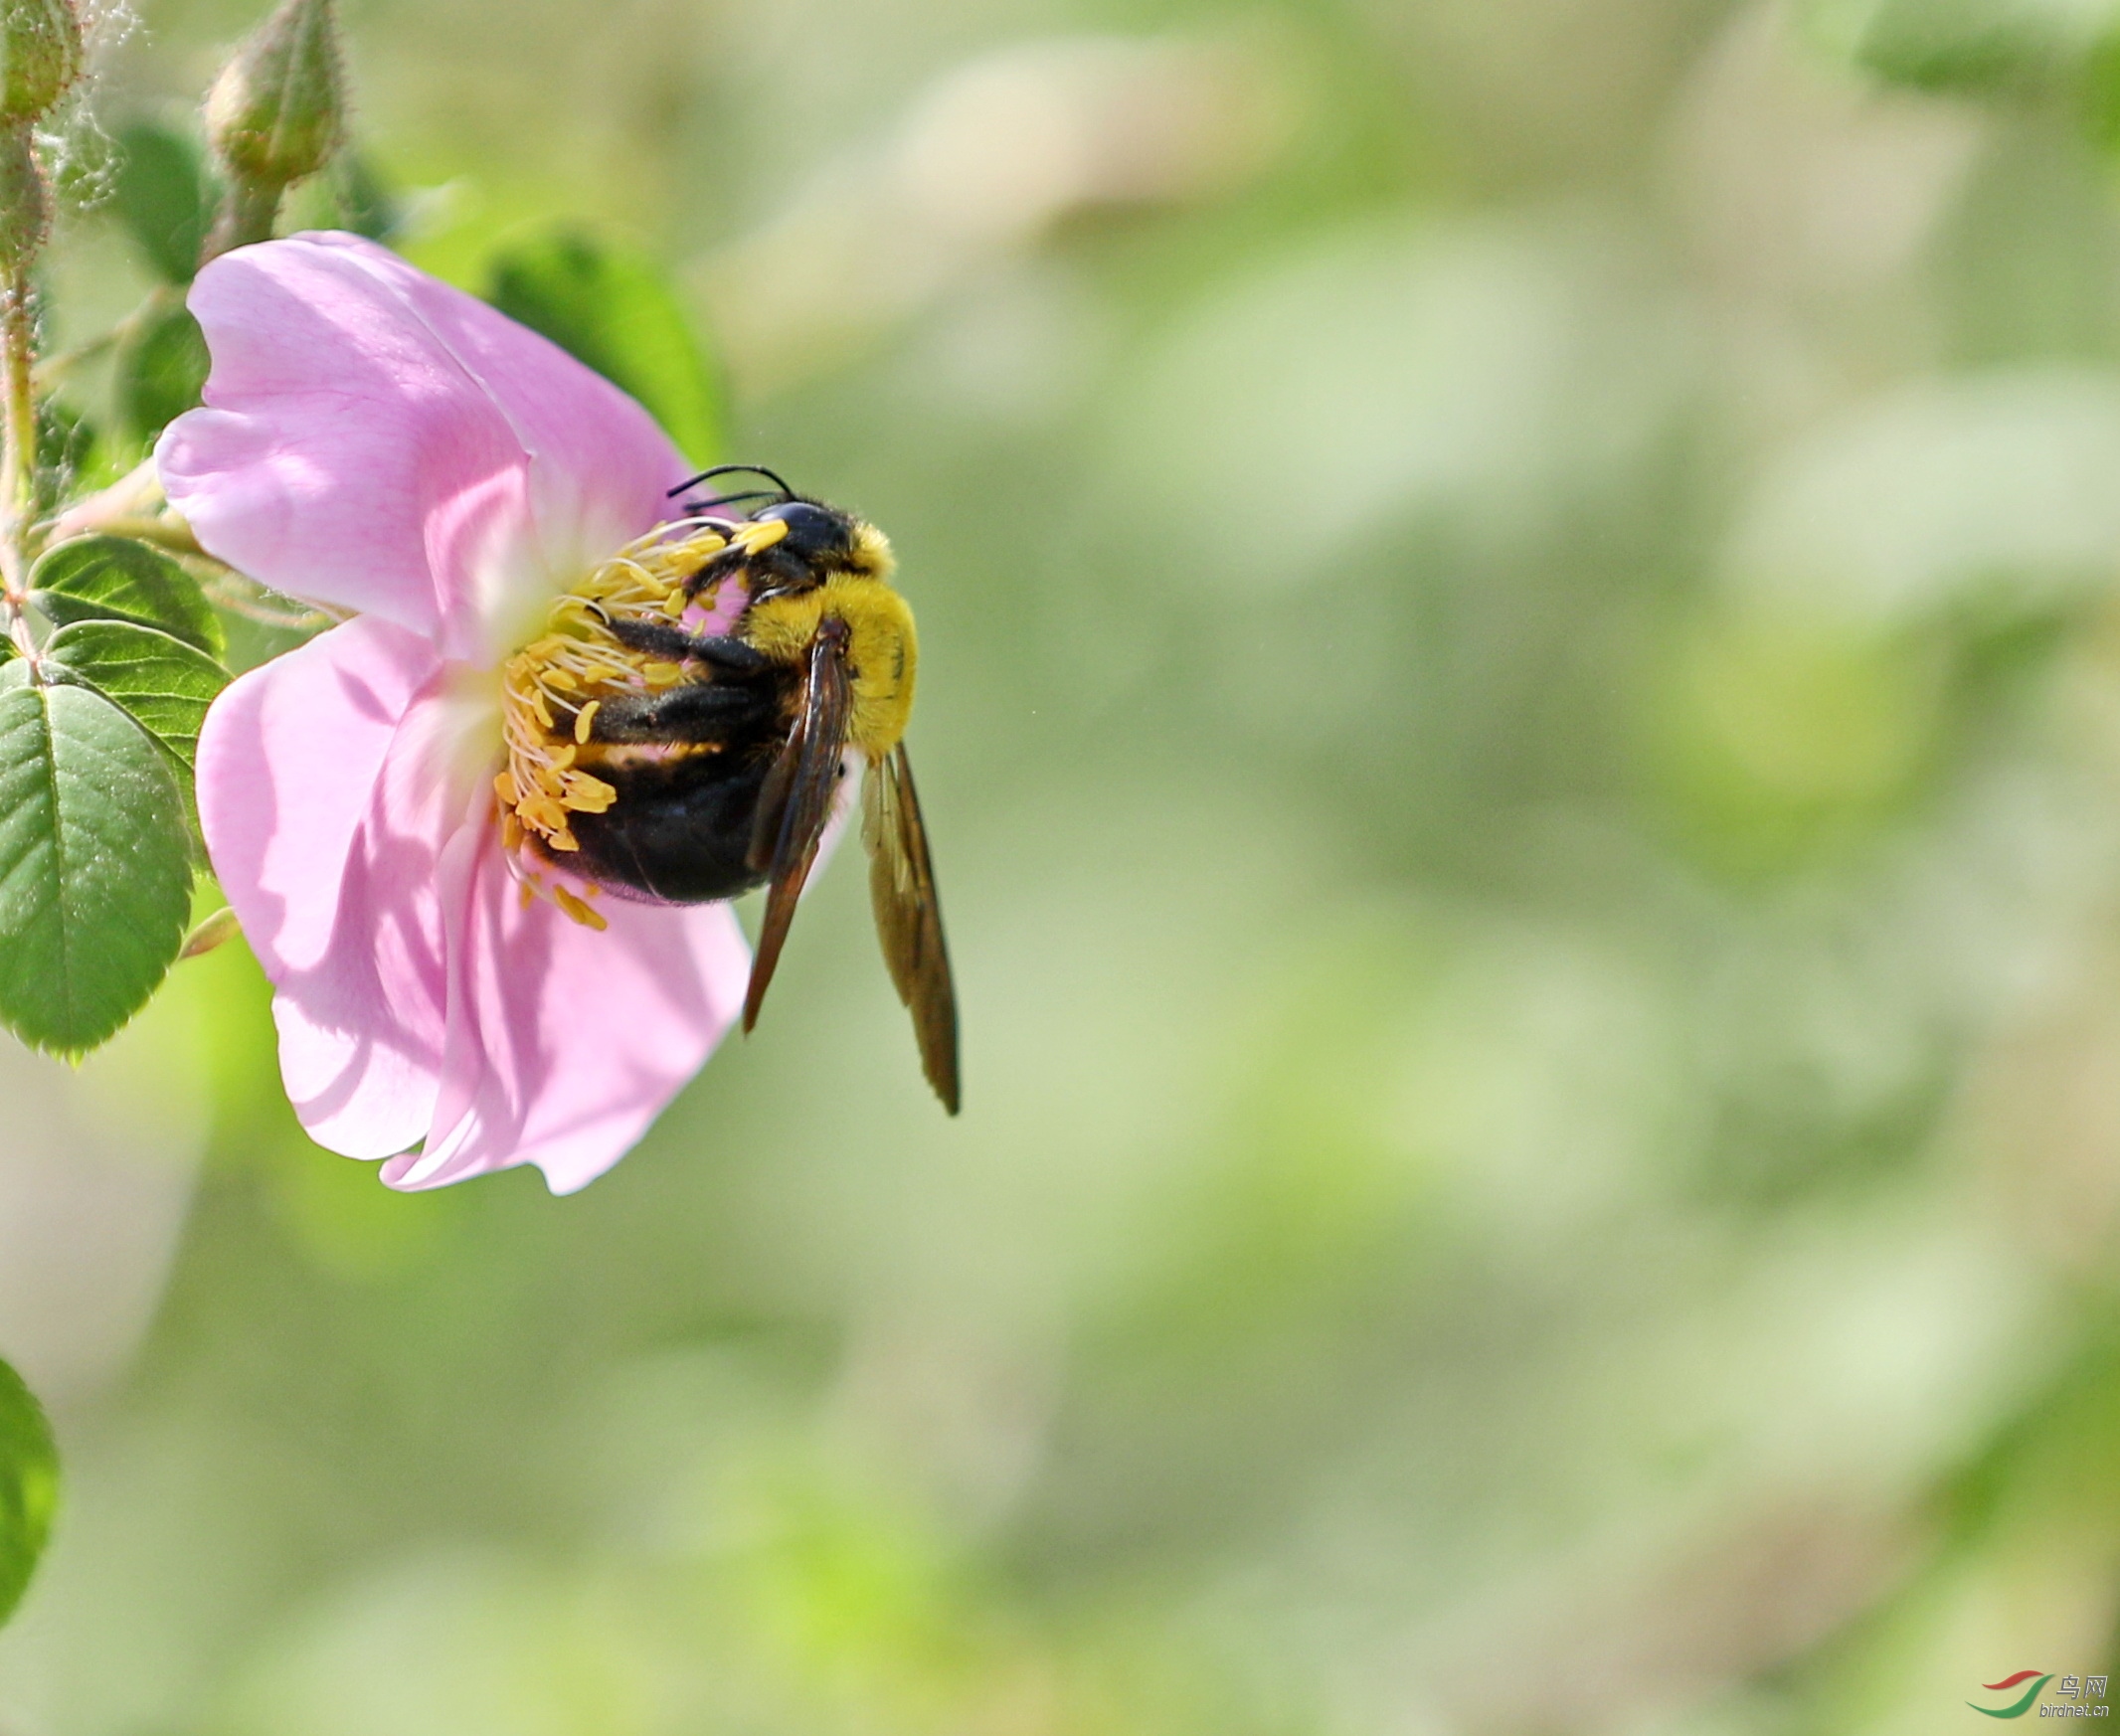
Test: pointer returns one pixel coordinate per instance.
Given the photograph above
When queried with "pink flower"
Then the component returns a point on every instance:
(378, 441)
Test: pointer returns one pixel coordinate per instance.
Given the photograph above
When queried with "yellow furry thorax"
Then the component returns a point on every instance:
(883, 651)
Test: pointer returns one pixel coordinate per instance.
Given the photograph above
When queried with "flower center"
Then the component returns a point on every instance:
(552, 688)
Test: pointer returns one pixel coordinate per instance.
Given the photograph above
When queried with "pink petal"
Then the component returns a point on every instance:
(328, 858)
(565, 1043)
(346, 795)
(377, 441)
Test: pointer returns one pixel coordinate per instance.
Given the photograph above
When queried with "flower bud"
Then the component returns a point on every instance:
(276, 112)
(39, 55)
(25, 203)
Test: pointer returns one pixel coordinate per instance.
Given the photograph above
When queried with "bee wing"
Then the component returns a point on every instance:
(909, 920)
(797, 802)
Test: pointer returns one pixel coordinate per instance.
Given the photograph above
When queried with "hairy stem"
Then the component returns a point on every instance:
(18, 457)
(247, 212)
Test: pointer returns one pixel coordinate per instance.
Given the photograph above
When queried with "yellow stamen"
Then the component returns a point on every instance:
(554, 687)
(587, 794)
(541, 813)
(581, 912)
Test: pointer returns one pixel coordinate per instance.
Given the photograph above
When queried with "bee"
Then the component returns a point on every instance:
(720, 773)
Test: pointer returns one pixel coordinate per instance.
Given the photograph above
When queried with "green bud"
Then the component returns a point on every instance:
(39, 55)
(25, 203)
(276, 112)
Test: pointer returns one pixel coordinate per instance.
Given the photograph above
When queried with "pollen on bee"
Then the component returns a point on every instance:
(760, 535)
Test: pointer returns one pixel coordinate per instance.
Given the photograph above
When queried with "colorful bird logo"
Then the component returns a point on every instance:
(2016, 1708)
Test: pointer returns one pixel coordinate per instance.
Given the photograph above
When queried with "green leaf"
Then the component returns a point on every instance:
(367, 203)
(164, 196)
(163, 683)
(63, 436)
(1966, 45)
(65, 451)
(28, 1487)
(82, 160)
(616, 310)
(351, 194)
(160, 369)
(94, 867)
(117, 579)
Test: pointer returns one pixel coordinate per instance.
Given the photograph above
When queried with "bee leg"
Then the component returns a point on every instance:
(726, 656)
(703, 711)
(716, 567)
(773, 569)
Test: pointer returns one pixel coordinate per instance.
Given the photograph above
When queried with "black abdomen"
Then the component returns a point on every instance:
(680, 831)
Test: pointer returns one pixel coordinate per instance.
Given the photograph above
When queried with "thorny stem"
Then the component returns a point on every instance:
(18, 462)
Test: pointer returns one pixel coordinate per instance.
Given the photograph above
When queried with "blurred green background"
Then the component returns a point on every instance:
(1522, 722)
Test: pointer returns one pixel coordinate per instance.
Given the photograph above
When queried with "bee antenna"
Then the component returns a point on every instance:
(787, 492)
(731, 499)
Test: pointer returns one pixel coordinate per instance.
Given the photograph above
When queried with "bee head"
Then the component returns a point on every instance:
(814, 533)
(821, 540)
